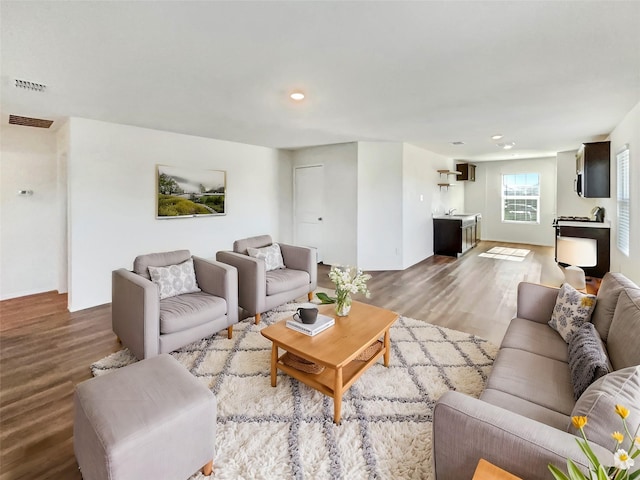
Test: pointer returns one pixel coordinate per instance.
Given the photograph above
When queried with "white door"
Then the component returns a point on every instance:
(308, 205)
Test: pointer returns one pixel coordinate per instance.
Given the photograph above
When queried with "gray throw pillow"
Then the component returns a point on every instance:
(272, 256)
(571, 310)
(588, 360)
(598, 403)
(175, 280)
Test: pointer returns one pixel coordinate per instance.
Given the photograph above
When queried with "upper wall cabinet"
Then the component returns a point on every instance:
(467, 171)
(593, 169)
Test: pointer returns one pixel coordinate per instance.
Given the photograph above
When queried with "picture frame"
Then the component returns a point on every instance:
(183, 192)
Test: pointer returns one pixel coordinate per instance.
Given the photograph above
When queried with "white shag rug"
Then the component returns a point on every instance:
(287, 432)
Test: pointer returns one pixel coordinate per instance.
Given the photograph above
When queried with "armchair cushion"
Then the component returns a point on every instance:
(271, 255)
(174, 280)
(240, 246)
(189, 310)
(142, 262)
(284, 280)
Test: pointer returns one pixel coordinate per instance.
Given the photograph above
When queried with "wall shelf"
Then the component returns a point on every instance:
(446, 185)
(448, 172)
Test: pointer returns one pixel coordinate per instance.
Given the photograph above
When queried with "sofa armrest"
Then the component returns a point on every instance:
(252, 279)
(135, 312)
(536, 302)
(221, 280)
(301, 258)
(466, 429)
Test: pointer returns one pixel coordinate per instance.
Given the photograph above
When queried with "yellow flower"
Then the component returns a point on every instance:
(579, 422)
(638, 441)
(622, 411)
(586, 301)
(617, 436)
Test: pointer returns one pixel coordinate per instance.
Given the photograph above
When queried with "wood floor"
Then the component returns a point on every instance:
(45, 350)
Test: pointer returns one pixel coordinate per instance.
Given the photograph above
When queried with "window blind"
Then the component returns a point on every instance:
(624, 203)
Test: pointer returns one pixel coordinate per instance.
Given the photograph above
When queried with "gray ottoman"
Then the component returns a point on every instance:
(152, 419)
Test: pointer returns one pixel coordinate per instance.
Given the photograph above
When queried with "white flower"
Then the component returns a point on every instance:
(622, 460)
(349, 280)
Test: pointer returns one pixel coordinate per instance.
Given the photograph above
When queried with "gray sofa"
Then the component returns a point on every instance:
(522, 420)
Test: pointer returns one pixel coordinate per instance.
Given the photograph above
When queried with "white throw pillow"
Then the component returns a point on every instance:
(175, 280)
(271, 255)
(572, 309)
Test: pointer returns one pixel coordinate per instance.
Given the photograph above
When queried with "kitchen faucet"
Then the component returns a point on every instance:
(451, 210)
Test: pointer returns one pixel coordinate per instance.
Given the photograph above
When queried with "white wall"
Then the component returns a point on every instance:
(379, 206)
(569, 203)
(627, 132)
(422, 198)
(111, 197)
(30, 237)
(485, 194)
(340, 214)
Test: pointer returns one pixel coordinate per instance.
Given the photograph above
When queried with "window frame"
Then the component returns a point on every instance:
(623, 198)
(504, 197)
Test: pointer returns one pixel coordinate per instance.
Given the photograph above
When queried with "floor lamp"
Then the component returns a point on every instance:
(576, 252)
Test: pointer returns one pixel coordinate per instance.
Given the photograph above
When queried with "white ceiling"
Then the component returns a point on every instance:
(547, 75)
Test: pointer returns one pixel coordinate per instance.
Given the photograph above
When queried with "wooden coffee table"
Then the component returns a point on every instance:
(336, 349)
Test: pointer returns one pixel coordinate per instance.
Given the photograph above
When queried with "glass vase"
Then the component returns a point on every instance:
(343, 304)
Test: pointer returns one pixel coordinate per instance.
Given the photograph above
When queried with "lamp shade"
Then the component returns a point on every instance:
(580, 252)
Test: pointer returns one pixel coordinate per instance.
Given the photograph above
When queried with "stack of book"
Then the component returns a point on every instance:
(321, 324)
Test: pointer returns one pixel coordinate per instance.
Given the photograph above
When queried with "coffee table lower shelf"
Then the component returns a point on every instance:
(331, 382)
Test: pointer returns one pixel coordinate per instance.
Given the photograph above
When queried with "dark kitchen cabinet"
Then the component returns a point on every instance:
(593, 167)
(467, 170)
(453, 237)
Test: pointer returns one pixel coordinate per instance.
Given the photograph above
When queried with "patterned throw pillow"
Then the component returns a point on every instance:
(271, 255)
(175, 280)
(572, 309)
(588, 360)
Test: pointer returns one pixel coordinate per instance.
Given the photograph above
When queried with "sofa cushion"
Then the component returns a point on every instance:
(598, 403)
(588, 359)
(572, 309)
(610, 288)
(541, 380)
(174, 280)
(536, 338)
(286, 279)
(189, 310)
(240, 246)
(142, 262)
(271, 255)
(624, 334)
(525, 408)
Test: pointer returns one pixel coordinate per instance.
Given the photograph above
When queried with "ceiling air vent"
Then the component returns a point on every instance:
(29, 122)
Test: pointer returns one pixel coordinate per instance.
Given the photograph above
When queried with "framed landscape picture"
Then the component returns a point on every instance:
(185, 192)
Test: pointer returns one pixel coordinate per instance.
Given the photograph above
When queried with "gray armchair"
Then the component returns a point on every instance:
(149, 326)
(260, 290)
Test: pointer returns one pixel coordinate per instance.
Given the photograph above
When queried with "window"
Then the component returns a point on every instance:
(623, 200)
(521, 198)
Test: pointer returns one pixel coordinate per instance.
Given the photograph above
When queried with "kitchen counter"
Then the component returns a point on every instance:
(565, 223)
(456, 216)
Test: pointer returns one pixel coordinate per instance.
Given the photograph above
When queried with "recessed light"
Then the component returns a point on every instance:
(297, 96)
(457, 142)
(507, 145)
(496, 136)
